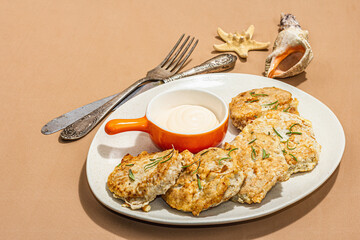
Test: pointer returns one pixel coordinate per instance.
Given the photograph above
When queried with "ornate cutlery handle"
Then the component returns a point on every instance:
(216, 64)
(85, 124)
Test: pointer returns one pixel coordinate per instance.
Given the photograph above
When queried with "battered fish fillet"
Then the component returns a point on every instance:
(262, 161)
(211, 177)
(252, 104)
(138, 180)
(298, 143)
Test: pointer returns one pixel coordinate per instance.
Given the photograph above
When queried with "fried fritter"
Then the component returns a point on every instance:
(262, 161)
(252, 104)
(211, 177)
(138, 180)
(271, 148)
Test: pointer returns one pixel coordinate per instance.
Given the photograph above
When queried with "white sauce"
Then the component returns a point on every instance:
(187, 119)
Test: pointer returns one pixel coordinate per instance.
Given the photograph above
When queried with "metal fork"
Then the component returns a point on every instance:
(168, 67)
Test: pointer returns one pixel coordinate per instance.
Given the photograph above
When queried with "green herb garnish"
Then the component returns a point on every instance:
(295, 133)
(229, 157)
(195, 161)
(293, 156)
(277, 133)
(253, 153)
(198, 181)
(156, 161)
(293, 126)
(264, 154)
(253, 94)
(275, 107)
(252, 141)
(130, 164)
(270, 104)
(231, 151)
(253, 100)
(131, 175)
(284, 151)
(287, 145)
(287, 109)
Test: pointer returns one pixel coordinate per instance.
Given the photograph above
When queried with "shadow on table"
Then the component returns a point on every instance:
(129, 228)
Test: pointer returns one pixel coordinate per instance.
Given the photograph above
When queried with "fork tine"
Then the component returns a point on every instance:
(173, 65)
(186, 57)
(171, 60)
(172, 50)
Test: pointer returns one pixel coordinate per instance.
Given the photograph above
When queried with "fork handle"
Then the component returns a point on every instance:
(85, 124)
(219, 63)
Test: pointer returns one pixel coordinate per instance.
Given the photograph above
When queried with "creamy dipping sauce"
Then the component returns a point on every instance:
(188, 119)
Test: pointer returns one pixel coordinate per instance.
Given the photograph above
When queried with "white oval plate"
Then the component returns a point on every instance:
(107, 151)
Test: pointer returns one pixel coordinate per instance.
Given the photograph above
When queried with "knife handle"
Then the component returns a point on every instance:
(219, 63)
(84, 125)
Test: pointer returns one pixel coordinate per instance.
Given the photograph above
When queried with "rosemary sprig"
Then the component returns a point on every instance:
(277, 133)
(253, 94)
(287, 109)
(293, 133)
(196, 162)
(275, 107)
(156, 161)
(293, 126)
(229, 157)
(293, 156)
(198, 181)
(287, 145)
(270, 104)
(131, 175)
(252, 141)
(264, 154)
(252, 100)
(118, 165)
(284, 151)
(130, 164)
(253, 153)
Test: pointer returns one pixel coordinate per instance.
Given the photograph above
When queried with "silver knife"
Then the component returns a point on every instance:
(217, 64)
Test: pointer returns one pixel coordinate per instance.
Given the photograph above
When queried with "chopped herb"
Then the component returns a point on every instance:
(275, 107)
(130, 164)
(252, 141)
(284, 151)
(293, 126)
(204, 152)
(253, 94)
(295, 133)
(155, 161)
(252, 100)
(255, 116)
(224, 158)
(264, 154)
(270, 104)
(277, 133)
(287, 109)
(253, 153)
(131, 175)
(118, 165)
(198, 181)
(196, 161)
(231, 151)
(293, 156)
(287, 145)
(197, 167)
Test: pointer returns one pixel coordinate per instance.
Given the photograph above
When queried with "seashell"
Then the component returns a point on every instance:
(291, 52)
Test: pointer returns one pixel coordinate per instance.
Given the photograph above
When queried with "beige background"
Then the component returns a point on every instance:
(58, 55)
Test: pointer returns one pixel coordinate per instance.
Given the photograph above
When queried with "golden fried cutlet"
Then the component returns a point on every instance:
(138, 180)
(252, 104)
(209, 178)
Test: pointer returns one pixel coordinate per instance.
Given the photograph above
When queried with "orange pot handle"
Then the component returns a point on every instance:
(123, 125)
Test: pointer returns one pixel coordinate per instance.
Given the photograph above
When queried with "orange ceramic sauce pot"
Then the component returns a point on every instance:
(165, 138)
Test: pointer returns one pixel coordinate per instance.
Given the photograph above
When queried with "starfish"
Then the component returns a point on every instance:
(240, 43)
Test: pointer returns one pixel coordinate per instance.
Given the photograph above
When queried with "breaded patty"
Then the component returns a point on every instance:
(210, 177)
(262, 161)
(138, 180)
(252, 104)
(298, 143)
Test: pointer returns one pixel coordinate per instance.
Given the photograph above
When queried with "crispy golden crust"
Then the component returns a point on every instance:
(287, 138)
(210, 177)
(252, 104)
(152, 174)
(262, 162)
(298, 143)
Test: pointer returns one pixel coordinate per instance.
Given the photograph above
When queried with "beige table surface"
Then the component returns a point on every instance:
(58, 55)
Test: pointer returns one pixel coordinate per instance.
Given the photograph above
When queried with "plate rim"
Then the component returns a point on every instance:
(202, 221)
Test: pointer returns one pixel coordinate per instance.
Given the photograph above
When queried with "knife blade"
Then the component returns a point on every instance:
(219, 63)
